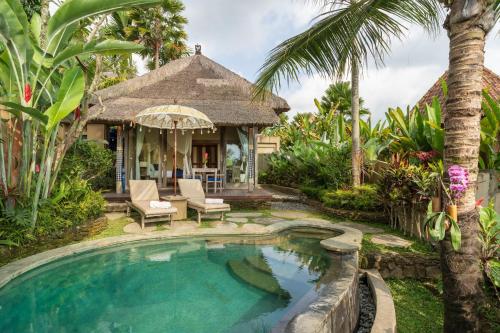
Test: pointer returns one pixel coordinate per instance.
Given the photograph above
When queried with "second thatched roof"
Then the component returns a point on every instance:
(196, 82)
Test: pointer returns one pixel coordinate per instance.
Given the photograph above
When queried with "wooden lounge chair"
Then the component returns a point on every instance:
(193, 190)
(142, 192)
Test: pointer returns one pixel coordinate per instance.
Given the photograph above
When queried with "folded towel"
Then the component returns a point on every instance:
(211, 201)
(160, 204)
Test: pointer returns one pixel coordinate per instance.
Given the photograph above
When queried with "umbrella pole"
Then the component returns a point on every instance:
(175, 157)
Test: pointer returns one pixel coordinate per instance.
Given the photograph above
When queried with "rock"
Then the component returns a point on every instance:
(364, 228)
(244, 214)
(237, 219)
(268, 220)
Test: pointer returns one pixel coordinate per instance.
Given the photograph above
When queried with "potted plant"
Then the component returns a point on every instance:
(459, 182)
(439, 222)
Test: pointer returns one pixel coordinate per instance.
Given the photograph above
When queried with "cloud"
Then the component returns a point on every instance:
(239, 35)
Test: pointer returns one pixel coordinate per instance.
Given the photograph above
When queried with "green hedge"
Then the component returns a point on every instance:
(364, 198)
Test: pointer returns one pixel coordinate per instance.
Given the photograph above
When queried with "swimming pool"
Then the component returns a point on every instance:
(189, 285)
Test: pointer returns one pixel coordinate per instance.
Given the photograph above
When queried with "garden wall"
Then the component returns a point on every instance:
(403, 265)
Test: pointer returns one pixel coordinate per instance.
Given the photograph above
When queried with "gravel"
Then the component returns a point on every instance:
(367, 307)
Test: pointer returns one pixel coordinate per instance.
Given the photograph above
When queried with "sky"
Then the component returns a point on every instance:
(239, 34)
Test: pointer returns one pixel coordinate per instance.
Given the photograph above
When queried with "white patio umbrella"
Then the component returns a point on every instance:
(174, 117)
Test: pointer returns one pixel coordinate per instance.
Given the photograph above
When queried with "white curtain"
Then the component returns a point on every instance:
(184, 147)
(139, 141)
(243, 135)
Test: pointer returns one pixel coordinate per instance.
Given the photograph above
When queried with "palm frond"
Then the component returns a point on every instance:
(347, 31)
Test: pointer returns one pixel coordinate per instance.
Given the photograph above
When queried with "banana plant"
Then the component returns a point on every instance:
(416, 130)
(43, 82)
(489, 157)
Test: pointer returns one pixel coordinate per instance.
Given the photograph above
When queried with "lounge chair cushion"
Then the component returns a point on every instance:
(200, 204)
(144, 208)
(143, 190)
(192, 189)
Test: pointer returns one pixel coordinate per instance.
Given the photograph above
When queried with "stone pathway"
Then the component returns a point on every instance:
(135, 228)
(268, 220)
(290, 214)
(223, 225)
(237, 219)
(244, 214)
(252, 227)
(366, 229)
(391, 241)
(114, 216)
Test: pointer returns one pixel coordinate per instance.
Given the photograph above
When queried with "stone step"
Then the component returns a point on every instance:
(259, 263)
(257, 278)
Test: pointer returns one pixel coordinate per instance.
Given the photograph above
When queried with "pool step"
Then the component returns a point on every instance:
(257, 278)
(259, 263)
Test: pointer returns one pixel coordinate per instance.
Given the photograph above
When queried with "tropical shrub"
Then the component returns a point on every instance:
(89, 161)
(363, 198)
(316, 164)
(489, 235)
(43, 79)
(73, 203)
(312, 191)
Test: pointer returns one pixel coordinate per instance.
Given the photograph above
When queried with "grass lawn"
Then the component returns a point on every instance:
(417, 308)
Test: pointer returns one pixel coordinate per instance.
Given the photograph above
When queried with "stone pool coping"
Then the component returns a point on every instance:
(319, 311)
(385, 316)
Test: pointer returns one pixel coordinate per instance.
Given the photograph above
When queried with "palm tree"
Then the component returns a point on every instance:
(468, 23)
(161, 31)
(343, 38)
(338, 96)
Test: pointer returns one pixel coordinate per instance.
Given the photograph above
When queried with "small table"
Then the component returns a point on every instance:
(205, 173)
(180, 203)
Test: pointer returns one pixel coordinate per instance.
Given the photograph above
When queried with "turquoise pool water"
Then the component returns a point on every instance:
(176, 286)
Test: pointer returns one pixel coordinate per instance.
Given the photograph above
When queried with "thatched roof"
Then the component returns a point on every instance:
(197, 82)
(491, 82)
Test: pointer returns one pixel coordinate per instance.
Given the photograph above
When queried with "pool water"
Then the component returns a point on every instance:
(175, 286)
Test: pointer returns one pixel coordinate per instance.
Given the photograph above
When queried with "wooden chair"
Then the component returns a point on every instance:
(142, 192)
(193, 190)
(216, 179)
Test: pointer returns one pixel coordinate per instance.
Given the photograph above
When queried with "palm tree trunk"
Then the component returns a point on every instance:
(356, 150)
(157, 56)
(462, 277)
(44, 14)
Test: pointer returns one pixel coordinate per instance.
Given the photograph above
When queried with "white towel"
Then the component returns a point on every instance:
(160, 204)
(211, 201)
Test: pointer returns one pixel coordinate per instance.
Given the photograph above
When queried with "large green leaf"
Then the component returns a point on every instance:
(72, 11)
(17, 109)
(69, 96)
(102, 47)
(456, 235)
(14, 28)
(14, 37)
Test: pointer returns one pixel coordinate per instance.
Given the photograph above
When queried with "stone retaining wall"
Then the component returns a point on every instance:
(403, 265)
(90, 228)
(355, 215)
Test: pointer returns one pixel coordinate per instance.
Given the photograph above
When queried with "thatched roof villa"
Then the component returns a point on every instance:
(491, 82)
(199, 83)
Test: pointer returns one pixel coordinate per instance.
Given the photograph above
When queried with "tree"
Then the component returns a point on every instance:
(161, 31)
(45, 81)
(467, 24)
(342, 39)
(364, 27)
(338, 96)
